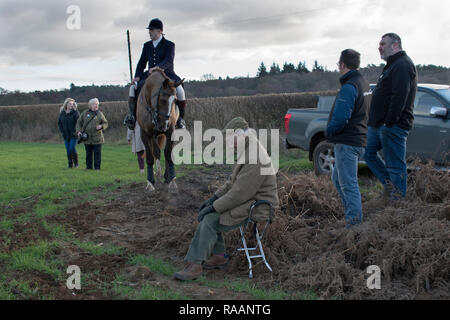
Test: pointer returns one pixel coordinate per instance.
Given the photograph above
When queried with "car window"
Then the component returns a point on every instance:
(423, 103)
(445, 93)
(325, 103)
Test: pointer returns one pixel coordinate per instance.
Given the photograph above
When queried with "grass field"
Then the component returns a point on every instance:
(36, 185)
(28, 169)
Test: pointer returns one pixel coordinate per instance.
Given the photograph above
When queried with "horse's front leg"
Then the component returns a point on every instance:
(169, 173)
(157, 158)
(150, 176)
(146, 139)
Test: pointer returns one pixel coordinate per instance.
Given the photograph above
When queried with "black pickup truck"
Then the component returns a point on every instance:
(429, 138)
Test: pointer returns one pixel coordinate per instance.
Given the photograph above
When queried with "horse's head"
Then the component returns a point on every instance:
(163, 102)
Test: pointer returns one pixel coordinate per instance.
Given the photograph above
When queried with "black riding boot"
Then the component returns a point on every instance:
(181, 124)
(75, 159)
(69, 159)
(130, 118)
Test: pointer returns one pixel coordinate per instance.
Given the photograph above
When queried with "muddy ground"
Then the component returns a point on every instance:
(307, 245)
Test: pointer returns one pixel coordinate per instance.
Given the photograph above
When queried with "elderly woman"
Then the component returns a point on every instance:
(67, 121)
(137, 146)
(93, 123)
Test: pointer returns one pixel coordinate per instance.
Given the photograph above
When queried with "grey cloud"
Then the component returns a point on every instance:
(227, 16)
(36, 33)
(444, 31)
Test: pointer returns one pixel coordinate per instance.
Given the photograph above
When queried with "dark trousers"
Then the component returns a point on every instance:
(208, 238)
(96, 151)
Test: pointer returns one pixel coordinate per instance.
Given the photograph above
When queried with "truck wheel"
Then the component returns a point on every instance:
(323, 158)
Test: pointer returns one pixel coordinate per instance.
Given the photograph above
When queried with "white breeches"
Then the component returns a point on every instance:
(180, 92)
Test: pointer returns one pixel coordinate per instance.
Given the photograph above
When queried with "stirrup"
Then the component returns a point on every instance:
(129, 121)
(181, 124)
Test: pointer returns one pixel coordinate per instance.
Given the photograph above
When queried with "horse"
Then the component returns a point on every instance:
(157, 115)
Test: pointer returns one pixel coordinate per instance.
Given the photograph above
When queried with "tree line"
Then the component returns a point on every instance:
(288, 67)
(286, 79)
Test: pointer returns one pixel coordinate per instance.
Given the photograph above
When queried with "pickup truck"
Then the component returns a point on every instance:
(429, 138)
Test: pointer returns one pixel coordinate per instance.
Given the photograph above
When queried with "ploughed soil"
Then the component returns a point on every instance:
(307, 244)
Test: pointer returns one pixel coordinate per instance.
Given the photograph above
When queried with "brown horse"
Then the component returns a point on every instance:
(157, 115)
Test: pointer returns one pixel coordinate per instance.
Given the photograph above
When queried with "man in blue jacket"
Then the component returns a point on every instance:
(391, 117)
(159, 52)
(347, 129)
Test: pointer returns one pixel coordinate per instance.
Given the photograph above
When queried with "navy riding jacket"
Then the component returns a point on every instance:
(162, 56)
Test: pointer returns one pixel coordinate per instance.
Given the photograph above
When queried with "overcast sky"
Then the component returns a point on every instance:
(39, 51)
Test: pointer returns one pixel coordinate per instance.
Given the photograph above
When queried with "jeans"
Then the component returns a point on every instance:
(96, 150)
(208, 238)
(393, 169)
(70, 146)
(345, 179)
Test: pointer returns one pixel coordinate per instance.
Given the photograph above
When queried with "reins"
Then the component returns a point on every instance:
(155, 113)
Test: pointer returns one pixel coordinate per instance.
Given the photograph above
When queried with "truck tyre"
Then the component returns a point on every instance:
(323, 158)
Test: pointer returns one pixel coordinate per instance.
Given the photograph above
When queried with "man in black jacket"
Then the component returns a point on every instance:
(159, 52)
(391, 117)
(347, 129)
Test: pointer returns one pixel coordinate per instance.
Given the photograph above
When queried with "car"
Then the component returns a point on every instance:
(429, 139)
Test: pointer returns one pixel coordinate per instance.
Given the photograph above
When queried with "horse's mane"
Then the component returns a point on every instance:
(150, 87)
(161, 71)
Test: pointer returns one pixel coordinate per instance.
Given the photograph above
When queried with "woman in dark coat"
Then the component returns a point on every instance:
(67, 123)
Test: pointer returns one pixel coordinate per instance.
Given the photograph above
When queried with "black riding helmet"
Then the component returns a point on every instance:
(155, 24)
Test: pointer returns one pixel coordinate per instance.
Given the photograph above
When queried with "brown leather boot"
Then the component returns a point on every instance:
(216, 262)
(190, 272)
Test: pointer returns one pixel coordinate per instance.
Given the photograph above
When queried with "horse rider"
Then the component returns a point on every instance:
(159, 52)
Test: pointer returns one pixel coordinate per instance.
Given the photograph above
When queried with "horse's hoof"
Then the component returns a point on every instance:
(173, 188)
(150, 187)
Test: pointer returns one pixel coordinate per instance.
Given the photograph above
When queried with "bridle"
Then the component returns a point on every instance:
(155, 113)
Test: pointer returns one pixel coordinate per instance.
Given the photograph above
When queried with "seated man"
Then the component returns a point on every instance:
(157, 53)
(230, 205)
